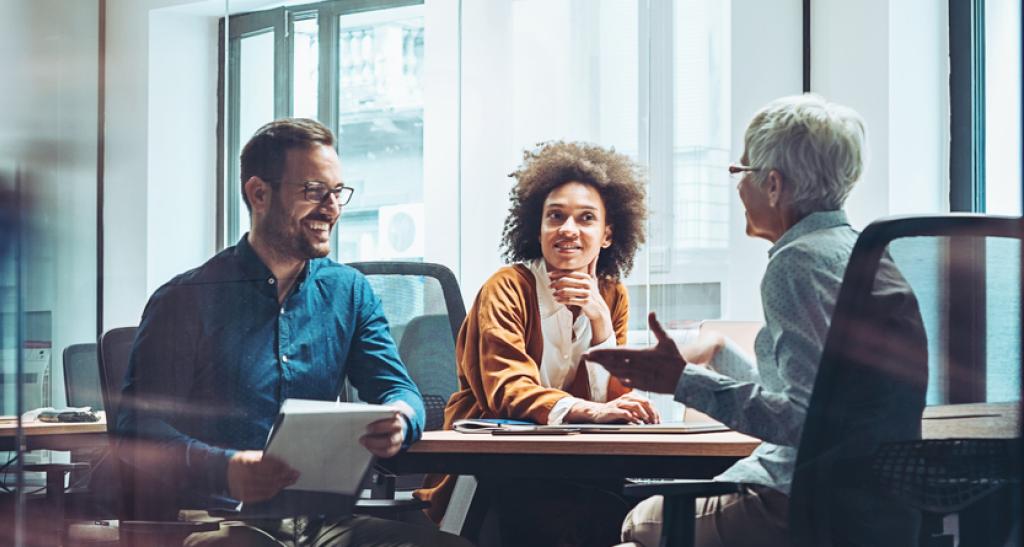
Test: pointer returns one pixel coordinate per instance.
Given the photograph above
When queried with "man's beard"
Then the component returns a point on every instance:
(286, 241)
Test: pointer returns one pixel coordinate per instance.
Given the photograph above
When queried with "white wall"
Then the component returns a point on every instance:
(767, 52)
(441, 93)
(182, 141)
(886, 59)
(157, 212)
(486, 138)
(918, 107)
(889, 61)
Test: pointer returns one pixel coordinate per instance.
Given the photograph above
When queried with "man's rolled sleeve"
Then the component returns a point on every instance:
(697, 387)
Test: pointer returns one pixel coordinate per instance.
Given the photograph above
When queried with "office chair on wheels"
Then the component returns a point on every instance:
(861, 441)
(114, 479)
(425, 311)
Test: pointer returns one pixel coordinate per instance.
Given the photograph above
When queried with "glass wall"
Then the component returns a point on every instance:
(48, 212)
(651, 81)
(1003, 186)
(110, 187)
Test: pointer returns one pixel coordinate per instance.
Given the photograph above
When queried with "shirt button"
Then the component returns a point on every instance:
(284, 358)
(565, 357)
(270, 281)
(282, 311)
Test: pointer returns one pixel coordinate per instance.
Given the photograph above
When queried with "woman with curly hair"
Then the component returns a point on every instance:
(576, 220)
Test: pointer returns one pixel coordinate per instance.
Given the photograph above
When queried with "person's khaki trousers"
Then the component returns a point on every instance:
(757, 517)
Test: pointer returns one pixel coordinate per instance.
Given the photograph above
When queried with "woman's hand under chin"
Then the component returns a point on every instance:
(581, 290)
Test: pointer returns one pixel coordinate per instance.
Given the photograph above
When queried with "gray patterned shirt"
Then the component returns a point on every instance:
(769, 399)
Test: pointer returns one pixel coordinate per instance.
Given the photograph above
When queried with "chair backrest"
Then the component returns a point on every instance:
(82, 376)
(425, 311)
(908, 302)
(115, 349)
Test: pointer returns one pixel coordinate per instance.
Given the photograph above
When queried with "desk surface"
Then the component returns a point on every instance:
(980, 420)
(728, 443)
(55, 436)
(32, 429)
(983, 420)
(972, 421)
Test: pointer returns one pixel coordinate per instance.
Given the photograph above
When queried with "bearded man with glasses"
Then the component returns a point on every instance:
(220, 347)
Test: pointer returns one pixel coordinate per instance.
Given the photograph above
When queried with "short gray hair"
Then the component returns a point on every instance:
(818, 146)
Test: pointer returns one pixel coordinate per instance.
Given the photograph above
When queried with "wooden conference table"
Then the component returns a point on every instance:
(615, 456)
(581, 456)
(977, 420)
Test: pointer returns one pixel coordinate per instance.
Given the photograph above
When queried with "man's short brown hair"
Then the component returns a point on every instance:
(264, 155)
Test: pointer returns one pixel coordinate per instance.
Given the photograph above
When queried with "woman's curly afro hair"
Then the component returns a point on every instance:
(615, 177)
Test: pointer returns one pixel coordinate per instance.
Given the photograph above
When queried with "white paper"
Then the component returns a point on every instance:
(320, 440)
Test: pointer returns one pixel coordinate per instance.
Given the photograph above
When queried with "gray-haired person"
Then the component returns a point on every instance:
(802, 156)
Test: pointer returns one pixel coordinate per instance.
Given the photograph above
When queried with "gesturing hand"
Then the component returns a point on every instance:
(255, 476)
(581, 290)
(384, 438)
(652, 369)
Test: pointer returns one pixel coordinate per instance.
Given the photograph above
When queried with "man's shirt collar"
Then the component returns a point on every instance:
(254, 269)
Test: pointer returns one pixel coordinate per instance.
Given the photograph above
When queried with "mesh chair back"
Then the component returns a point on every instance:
(115, 349)
(945, 475)
(82, 376)
(424, 310)
(908, 326)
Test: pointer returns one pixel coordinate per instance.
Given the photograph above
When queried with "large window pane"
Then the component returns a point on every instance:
(305, 66)
(256, 98)
(1003, 186)
(1002, 320)
(380, 133)
(256, 81)
(690, 188)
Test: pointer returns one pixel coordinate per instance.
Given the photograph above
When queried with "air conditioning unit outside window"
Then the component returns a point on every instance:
(400, 231)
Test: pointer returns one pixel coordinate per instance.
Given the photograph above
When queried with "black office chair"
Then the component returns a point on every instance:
(425, 311)
(115, 348)
(118, 483)
(979, 282)
(82, 388)
(82, 376)
(871, 386)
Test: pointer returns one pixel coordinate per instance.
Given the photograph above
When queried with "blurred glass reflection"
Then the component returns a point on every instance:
(48, 167)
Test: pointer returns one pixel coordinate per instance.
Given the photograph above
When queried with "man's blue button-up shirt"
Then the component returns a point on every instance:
(216, 355)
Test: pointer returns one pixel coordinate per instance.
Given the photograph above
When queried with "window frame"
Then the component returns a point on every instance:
(966, 294)
(281, 21)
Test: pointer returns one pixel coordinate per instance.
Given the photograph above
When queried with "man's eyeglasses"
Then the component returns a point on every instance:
(318, 191)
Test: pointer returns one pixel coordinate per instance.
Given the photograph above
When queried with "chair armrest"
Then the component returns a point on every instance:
(682, 487)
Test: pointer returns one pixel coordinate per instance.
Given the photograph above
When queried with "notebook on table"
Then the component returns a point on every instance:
(513, 427)
(667, 427)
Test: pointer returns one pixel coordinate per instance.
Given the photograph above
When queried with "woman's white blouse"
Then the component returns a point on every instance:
(565, 342)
